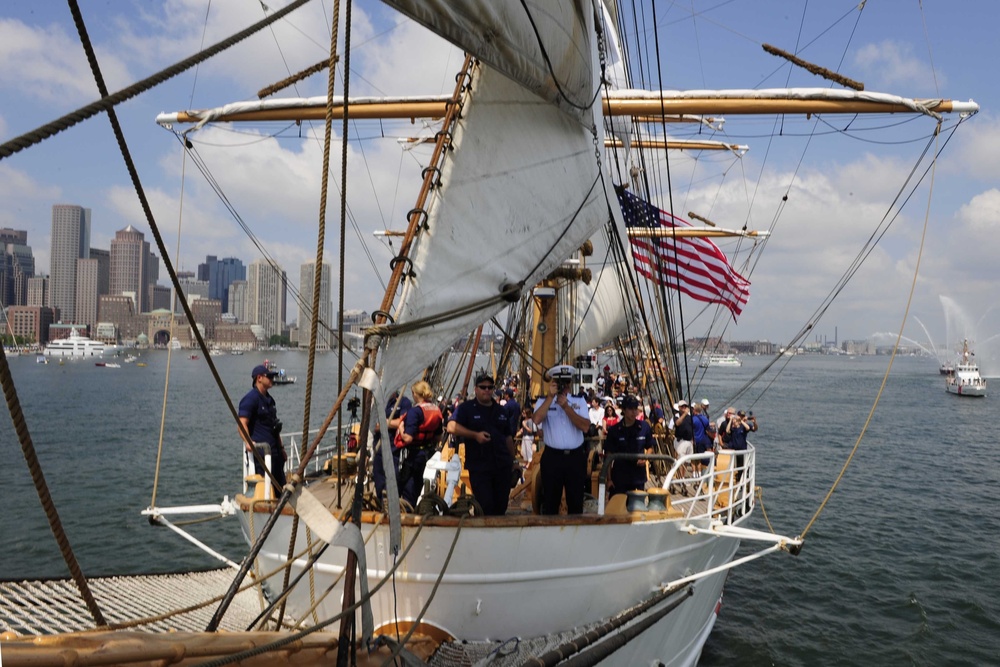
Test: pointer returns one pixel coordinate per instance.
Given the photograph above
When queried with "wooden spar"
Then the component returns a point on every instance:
(667, 108)
(691, 232)
(699, 218)
(814, 69)
(770, 105)
(680, 145)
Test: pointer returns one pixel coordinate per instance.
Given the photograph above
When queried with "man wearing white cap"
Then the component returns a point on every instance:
(564, 419)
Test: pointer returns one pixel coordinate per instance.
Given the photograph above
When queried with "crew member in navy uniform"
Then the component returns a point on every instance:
(564, 419)
(629, 436)
(482, 424)
(259, 415)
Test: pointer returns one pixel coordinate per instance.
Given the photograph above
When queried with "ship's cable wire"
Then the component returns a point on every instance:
(170, 348)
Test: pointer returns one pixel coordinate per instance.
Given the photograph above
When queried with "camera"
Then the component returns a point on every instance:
(750, 414)
(562, 383)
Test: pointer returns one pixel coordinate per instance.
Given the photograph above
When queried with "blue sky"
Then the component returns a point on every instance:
(839, 182)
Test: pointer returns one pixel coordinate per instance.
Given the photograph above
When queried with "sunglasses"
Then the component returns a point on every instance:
(484, 387)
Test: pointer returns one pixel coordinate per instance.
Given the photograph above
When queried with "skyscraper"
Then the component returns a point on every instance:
(219, 274)
(266, 296)
(70, 242)
(306, 276)
(130, 267)
(17, 265)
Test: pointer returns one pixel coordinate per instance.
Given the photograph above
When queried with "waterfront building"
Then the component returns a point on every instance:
(86, 291)
(38, 291)
(238, 300)
(307, 273)
(31, 322)
(70, 243)
(131, 266)
(266, 289)
(119, 309)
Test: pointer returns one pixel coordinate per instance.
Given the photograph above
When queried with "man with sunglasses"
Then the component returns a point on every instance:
(482, 424)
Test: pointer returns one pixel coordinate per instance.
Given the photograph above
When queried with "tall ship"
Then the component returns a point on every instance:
(543, 203)
(965, 379)
(74, 345)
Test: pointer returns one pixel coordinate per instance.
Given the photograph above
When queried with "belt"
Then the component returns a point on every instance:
(564, 451)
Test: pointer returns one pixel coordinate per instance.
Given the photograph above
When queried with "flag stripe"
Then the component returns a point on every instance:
(694, 266)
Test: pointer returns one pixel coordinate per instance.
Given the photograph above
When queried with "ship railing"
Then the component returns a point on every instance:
(721, 489)
(325, 452)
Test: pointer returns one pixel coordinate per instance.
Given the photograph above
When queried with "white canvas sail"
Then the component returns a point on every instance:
(521, 192)
(545, 45)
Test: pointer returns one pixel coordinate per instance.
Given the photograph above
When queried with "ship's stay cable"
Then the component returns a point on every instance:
(889, 217)
(892, 357)
(317, 280)
(108, 102)
(170, 348)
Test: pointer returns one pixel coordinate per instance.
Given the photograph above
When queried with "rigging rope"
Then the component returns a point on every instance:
(892, 357)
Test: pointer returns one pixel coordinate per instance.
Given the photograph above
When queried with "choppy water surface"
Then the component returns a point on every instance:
(900, 569)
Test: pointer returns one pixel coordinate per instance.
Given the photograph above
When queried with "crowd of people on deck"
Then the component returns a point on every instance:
(502, 439)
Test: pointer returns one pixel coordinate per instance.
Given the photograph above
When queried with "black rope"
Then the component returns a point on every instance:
(108, 102)
(35, 468)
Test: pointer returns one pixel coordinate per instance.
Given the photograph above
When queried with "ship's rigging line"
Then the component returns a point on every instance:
(216, 187)
(888, 218)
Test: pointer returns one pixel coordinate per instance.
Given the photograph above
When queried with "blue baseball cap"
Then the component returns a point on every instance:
(259, 370)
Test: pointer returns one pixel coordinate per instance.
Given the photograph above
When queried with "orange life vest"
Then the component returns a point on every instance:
(426, 432)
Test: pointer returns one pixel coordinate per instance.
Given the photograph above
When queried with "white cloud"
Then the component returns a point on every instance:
(50, 64)
(892, 63)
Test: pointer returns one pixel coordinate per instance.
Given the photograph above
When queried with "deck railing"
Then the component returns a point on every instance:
(326, 451)
(722, 489)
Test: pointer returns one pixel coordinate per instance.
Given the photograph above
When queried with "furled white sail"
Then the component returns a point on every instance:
(520, 193)
(545, 45)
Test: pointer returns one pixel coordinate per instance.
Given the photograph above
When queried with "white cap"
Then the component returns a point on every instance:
(704, 402)
(561, 372)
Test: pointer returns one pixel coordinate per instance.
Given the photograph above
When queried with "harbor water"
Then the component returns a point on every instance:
(899, 569)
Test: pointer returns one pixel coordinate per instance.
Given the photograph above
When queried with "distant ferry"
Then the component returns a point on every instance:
(730, 360)
(74, 346)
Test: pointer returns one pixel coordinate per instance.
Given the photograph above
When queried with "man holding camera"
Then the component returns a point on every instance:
(737, 428)
(259, 416)
(564, 419)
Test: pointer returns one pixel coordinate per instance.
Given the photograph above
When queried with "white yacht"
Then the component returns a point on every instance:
(75, 346)
(730, 360)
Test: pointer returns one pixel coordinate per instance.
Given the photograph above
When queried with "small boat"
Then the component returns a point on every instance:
(280, 377)
(141, 364)
(965, 380)
(728, 360)
(41, 359)
(947, 369)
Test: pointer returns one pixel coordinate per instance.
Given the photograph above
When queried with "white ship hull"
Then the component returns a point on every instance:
(507, 580)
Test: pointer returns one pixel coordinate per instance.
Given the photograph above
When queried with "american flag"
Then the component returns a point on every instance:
(695, 266)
